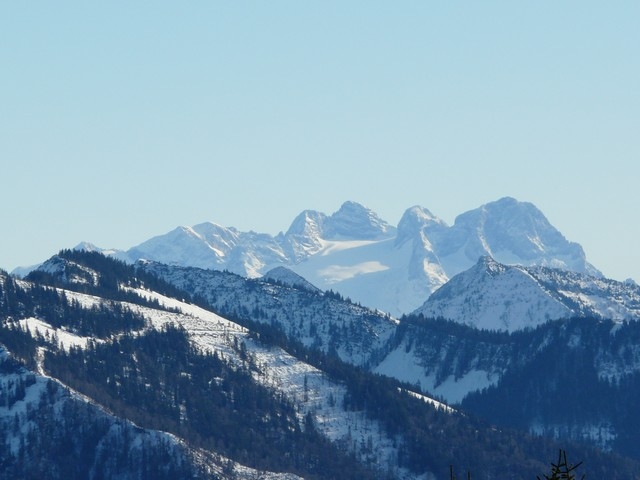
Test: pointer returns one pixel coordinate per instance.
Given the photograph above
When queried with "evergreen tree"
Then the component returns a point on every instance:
(562, 470)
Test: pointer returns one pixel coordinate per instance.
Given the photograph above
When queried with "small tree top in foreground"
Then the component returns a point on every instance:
(563, 470)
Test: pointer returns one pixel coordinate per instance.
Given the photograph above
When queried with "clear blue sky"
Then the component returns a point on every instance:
(122, 120)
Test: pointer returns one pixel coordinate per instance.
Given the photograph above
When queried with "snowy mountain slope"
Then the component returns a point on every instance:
(447, 360)
(37, 406)
(592, 296)
(368, 338)
(489, 373)
(208, 245)
(445, 365)
(355, 252)
(495, 296)
(317, 319)
(309, 388)
(415, 367)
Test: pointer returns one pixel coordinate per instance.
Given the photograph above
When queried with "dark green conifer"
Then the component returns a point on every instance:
(562, 470)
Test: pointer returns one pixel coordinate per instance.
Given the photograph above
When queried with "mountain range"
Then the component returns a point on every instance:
(356, 253)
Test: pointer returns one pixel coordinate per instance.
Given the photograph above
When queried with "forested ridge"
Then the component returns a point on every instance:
(158, 379)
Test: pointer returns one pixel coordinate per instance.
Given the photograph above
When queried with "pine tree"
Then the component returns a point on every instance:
(562, 470)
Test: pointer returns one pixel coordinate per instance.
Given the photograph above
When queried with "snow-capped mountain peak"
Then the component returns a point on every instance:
(512, 232)
(496, 296)
(416, 220)
(356, 222)
(303, 237)
(309, 223)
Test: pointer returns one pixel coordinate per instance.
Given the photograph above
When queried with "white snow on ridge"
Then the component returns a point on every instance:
(314, 393)
(187, 309)
(66, 338)
(429, 400)
(508, 299)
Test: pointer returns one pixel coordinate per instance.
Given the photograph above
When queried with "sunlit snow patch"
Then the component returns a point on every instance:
(67, 339)
(429, 400)
(338, 273)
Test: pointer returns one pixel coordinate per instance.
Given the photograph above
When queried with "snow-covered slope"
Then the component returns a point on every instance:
(89, 441)
(314, 318)
(496, 296)
(305, 385)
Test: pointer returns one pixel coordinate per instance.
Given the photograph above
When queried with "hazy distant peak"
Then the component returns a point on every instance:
(415, 220)
(355, 221)
(509, 212)
(420, 215)
(507, 209)
(309, 223)
(513, 232)
(90, 247)
(205, 227)
(508, 201)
